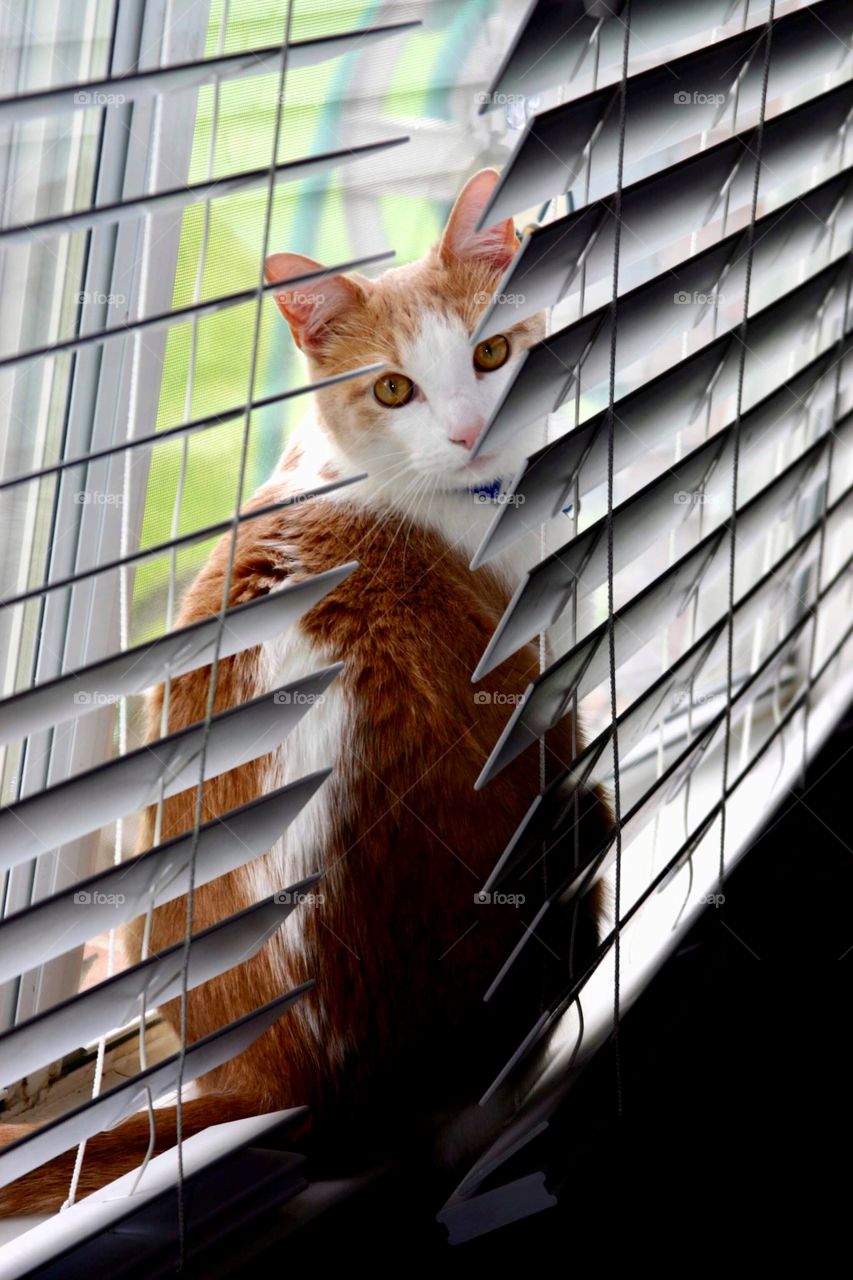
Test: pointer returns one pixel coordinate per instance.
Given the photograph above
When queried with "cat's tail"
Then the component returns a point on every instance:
(109, 1155)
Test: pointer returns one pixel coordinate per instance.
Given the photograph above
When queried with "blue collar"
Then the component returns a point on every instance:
(489, 490)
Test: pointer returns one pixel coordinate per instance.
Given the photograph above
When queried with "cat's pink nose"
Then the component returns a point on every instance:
(466, 432)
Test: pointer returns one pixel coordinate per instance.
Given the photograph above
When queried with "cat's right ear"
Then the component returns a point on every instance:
(311, 306)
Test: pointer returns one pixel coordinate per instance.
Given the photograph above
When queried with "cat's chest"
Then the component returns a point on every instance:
(463, 522)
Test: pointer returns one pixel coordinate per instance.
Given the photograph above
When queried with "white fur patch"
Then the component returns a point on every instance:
(317, 742)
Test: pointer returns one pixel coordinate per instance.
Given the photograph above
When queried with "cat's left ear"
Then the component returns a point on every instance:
(461, 241)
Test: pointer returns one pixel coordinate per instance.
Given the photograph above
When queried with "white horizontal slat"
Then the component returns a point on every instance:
(115, 1002)
(179, 315)
(115, 1203)
(673, 112)
(676, 689)
(786, 345)
(577, 44)
(672, 217)
(117, 90)
(548, 698)
(113, 897)
(680, 312)
(166, 434)
(178, 198)
(109, 1109)
(698, 484)
(88, 800)
(173, 654)
(497, 1207)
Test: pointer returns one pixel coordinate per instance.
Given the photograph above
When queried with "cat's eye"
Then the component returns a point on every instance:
(491, 354)
(393, 390)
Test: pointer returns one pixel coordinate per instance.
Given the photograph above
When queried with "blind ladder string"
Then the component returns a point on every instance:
(214, 664)
(124, 615)
(611, 619)
(744, 326)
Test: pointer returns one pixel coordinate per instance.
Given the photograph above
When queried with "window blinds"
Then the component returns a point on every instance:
(717, 370)
(699, 494)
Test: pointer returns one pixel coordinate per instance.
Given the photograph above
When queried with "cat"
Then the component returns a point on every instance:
(396, 1029)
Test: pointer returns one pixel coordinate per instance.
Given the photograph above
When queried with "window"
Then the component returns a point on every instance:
(151, 154)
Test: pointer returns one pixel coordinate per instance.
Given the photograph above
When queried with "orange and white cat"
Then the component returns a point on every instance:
(396, 1028)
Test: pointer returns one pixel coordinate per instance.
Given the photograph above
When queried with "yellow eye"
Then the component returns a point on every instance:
(491, 354)
(394, 390)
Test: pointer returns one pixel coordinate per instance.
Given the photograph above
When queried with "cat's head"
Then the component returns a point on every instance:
(418, 417)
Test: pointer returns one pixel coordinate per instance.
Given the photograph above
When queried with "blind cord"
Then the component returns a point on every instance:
(124, 629)
(170, 602)
(177, 503)
(543, 762)
(744, 324)
(611, 620)
(214, 664)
